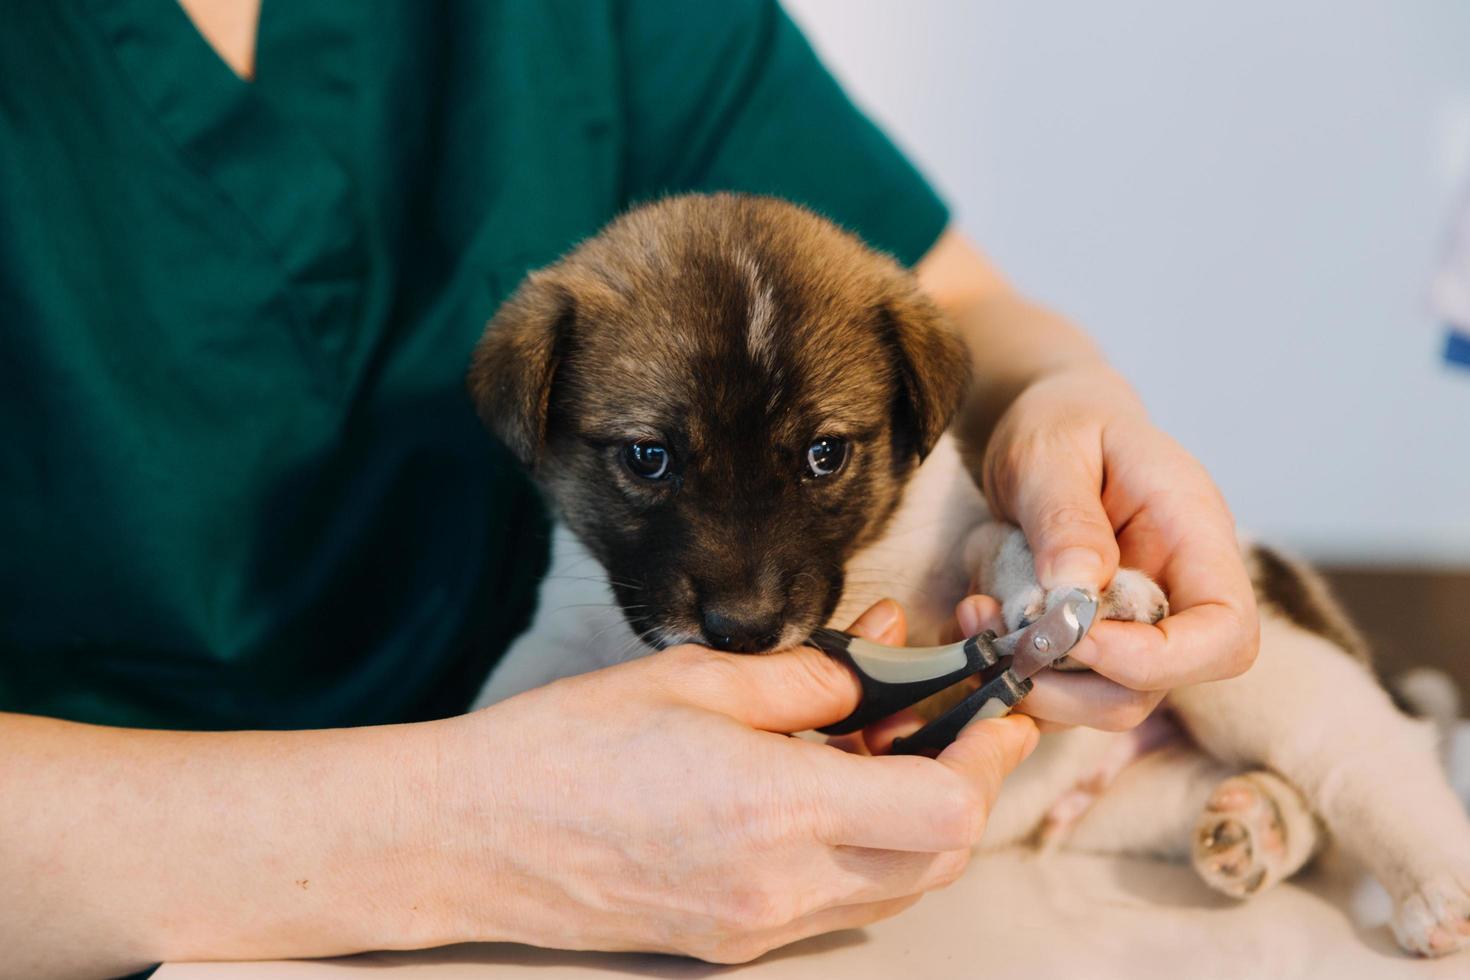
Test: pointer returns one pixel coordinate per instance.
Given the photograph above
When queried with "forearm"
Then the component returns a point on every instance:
(1062, 446)
(125, 847)
(1013, 341)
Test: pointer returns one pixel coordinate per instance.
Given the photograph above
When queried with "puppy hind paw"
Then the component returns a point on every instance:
(1434, 919)
(1254, 831)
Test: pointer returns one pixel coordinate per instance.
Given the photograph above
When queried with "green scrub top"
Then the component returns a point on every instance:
(243, 484)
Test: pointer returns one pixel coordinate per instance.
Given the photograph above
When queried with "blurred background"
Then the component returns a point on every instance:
(1246, 203)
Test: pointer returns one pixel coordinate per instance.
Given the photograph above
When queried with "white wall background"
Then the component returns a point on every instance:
(1244, 201)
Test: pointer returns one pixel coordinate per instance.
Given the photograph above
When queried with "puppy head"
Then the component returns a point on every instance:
(723, 397)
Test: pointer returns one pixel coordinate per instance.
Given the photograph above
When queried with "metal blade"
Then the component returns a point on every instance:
(1036, 647)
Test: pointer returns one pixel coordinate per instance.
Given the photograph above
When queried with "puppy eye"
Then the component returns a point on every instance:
(647, 460)
(826, 455)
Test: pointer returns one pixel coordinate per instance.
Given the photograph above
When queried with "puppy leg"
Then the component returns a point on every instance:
(1061, 762)
(1248, 831)
(1000, 566)
(1318, 719)
(1151, 809)
(1158, 731)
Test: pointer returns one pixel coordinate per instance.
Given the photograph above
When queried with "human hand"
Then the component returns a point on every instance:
(657, 805)
(1077, 464)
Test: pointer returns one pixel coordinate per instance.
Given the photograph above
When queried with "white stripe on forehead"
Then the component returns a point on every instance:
(759, 337)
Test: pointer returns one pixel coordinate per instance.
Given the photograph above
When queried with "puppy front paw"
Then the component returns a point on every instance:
(1131, 597)
(1434, 919)
(1134, 598)
(1001, 566)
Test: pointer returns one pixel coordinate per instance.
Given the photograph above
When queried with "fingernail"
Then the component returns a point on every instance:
(969, 616)
(1076, 566)
(880, 617)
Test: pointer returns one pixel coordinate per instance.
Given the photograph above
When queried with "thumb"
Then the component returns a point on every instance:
(1059, 507)
(790, 691)
(987, 751)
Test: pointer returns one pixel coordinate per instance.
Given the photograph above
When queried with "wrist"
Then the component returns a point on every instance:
(349, 841)
(1093, 386)
(470, 832)
(384, 869)
(409, 840)
(432, 831)
(1084, 391)
(1015, 347)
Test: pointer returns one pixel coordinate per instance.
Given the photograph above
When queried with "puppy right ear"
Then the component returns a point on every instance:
(515, 363)
(932, 366)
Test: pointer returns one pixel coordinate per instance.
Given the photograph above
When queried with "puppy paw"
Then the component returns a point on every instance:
(1131, 597)
(1434, 919)
(1134, 598)
(1001, 566)
(1243, 841)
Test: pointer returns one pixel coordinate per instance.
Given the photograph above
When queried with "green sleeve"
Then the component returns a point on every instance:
(728, 95)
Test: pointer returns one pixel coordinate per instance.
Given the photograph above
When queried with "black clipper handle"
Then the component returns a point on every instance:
(893, 678)
(992, 699)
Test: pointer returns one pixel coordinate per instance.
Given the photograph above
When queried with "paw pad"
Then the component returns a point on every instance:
(1240, 839)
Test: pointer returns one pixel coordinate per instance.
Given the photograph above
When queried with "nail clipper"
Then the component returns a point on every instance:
(894, 678)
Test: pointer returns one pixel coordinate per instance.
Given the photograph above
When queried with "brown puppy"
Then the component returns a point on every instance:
(727, 400)
(724, 396)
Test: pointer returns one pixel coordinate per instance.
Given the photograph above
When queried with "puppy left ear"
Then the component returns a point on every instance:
(932, 366)
(516, 361)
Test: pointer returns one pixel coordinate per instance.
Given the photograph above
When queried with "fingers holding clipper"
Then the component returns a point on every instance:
(987, 751)
(880, 736)
(1087, 699)
(788, 691)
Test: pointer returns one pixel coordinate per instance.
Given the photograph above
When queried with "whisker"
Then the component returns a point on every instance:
(603, 631)
(631, 648)
(596, 605)
(629, 586)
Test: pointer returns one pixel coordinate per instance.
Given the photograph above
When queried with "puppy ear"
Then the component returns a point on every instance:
(516, 361)
(932, 367)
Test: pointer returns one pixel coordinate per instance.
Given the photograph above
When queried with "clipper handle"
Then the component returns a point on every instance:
(993, 699)
(893, 678)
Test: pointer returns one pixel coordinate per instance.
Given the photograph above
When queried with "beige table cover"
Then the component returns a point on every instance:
(1013, 915)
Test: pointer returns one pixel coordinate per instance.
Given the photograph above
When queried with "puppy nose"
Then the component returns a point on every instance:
(739, 634)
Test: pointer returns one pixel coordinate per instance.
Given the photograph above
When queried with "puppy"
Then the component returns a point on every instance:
(737, 411)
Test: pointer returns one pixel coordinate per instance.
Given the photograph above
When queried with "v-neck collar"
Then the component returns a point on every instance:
(284, 183)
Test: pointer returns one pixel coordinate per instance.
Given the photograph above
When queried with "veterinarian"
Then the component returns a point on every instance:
(258, 552)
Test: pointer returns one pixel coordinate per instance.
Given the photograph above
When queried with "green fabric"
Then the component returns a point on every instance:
(243, 485)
